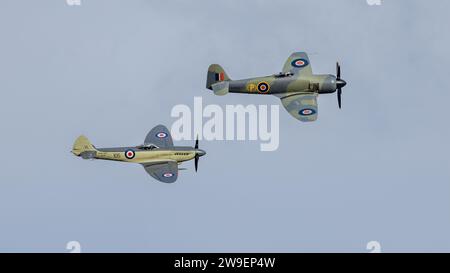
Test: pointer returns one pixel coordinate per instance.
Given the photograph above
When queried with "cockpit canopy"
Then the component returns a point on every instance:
(148, 146)
(283, 74)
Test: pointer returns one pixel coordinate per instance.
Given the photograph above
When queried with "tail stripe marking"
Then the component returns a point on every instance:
(219, 76)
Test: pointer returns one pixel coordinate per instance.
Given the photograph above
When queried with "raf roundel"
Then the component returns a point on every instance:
(263, 87)
(167, 175)
(299, 63)
(129, 154)
(161, 135)
(307, 112)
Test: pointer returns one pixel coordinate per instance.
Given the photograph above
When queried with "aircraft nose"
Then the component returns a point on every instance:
(200, 152)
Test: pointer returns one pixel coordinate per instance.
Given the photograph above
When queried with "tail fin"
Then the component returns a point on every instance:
(215, 74)
(83, 147)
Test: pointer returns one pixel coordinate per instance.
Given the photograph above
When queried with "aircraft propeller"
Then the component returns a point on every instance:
(339, 84)
(198, 154)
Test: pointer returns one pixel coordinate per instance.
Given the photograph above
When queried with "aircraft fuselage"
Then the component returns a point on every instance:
(278, 84)
(137, 155)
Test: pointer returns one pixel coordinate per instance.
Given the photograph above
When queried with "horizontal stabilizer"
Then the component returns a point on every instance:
(88, 154)
(221, 88)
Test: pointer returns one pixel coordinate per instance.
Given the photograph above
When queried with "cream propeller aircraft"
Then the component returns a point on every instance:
(158, 155)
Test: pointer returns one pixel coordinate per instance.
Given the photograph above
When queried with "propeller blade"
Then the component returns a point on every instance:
(197, 156)
(338, 71)
(339, 96)
(339, 84)
(196, 162)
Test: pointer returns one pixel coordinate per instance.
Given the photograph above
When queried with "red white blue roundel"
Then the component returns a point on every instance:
(167, 175)
(307, 112)
(161, 135)
(299, 63)
(263, 87)
(129, 154)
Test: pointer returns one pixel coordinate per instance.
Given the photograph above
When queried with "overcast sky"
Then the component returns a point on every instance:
(378, 169)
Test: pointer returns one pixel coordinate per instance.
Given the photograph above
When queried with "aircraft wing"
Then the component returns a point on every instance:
(301, 106)
(298, 63)
(159, 136)
(164, 171)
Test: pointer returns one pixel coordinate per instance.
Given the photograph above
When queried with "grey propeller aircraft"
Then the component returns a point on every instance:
(296, 85)
(158, 155)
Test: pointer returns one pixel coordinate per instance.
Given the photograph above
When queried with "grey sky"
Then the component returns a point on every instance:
(378, 169)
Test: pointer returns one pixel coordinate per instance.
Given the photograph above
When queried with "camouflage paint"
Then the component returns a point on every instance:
(295, 83)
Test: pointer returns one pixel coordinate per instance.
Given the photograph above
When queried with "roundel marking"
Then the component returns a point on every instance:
(263, 87)
(129, 154)
(161, 135)
(307, 112)
(167, 175)
(299, 63)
